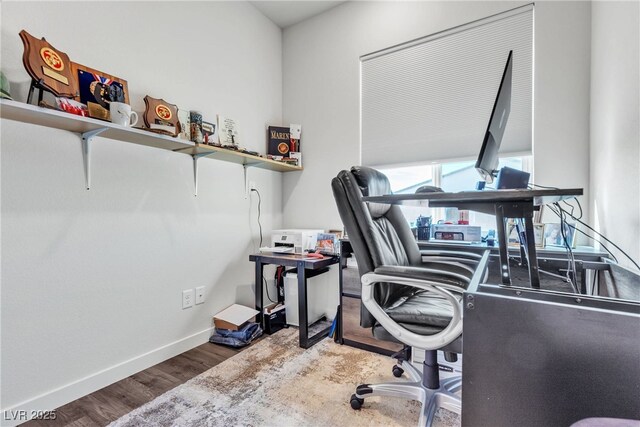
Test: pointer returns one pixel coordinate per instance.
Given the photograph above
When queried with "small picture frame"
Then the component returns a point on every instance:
(553, 235)
(185, 124)
(327, 243)
(98, 89)
(538, 234)
(228, 131)
(337, 232)
(514, 239)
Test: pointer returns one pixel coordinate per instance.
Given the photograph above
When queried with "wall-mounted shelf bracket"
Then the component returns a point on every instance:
(195, 158)
(87, 137)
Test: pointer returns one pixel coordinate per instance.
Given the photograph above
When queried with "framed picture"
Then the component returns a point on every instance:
(227, 131)
(184, 117)
(326, 243)
(514, 240)
(538, 234)
(210, 131)
(98, 89)
(553, 234)
(337, 232)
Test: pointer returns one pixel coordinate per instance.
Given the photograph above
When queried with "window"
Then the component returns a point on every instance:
(451, 177)
(407, 179)
(429, 100)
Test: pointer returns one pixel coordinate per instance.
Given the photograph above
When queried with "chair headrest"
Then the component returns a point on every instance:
(373, 183)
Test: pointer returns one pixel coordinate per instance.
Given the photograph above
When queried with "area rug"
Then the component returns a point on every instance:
(277, 383)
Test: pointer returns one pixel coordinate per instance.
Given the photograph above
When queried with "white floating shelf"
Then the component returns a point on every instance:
(89, 127)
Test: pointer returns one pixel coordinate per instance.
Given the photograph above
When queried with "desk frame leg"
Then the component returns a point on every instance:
(343, 258)
(259, 291)
(534, 273)
(303, 315)
(302, 306)
(505, 273)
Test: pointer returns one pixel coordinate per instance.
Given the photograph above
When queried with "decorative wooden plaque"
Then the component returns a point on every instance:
(159, 113)
(48, 66)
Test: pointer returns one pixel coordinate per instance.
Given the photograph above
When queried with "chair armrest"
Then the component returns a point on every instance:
(443, 289)
(432, 275)
(427, 279)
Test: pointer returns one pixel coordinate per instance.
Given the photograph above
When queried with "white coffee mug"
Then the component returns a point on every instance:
(122, 115)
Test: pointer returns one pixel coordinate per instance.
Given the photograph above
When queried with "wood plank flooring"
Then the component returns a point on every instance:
(352, 330)
(110, 403)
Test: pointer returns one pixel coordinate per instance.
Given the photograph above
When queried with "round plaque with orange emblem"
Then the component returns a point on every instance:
(163, 112)
(51, 58)
(283, 148)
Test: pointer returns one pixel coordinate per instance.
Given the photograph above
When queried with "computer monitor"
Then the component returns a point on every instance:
(487, 163)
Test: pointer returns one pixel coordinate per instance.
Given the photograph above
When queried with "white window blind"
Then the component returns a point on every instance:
(431, 99)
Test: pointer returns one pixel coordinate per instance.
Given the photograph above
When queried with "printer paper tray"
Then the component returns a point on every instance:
(277, 249)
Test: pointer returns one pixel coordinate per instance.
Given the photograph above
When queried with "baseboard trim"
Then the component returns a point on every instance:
(55, 398)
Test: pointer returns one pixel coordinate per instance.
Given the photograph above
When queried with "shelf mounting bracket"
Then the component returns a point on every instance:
(195, 158)
(87, 137)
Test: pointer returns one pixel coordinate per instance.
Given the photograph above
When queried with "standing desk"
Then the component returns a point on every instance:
(306, 268)
(501, 203)
(543, 358)
(579, 360)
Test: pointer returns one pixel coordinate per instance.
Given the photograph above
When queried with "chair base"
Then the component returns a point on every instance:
(431, 399)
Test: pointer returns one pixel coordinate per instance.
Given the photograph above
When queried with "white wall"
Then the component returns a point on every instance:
(615, 125)
(92, 280)
(321, 89)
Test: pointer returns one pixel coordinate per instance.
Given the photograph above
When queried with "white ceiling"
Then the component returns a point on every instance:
(287, 13)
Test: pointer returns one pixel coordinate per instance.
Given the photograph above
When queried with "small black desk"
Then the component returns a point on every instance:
(501, 203)
(306, 268)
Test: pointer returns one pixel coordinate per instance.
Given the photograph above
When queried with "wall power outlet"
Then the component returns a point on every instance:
(200, 295)
(188, 297)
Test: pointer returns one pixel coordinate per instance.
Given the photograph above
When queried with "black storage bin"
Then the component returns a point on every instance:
(275, 320)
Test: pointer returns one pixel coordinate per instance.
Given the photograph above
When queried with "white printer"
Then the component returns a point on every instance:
(295, 240)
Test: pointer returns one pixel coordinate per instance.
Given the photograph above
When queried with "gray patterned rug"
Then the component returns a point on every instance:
(277, 383)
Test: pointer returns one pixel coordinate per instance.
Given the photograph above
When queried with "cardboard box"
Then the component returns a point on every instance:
(234, 317)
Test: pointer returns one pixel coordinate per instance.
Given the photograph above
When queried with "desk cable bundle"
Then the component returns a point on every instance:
(563, 214)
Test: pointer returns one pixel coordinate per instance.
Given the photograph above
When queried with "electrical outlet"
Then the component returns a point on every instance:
(187, 298)
(252, 185)
(200, 295)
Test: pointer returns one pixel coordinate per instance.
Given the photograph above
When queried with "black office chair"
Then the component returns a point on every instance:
(407, 296)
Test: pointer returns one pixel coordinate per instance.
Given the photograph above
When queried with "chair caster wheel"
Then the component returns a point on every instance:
(397, 371)
(356, 402)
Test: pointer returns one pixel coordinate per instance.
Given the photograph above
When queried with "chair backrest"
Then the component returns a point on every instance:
(379, 234)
